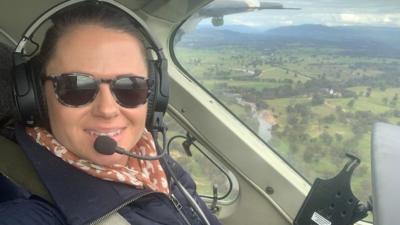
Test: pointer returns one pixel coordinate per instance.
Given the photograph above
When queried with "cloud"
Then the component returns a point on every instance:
(287, 22)
(258, 22)
(276, 19)
(374, 19)
(324, 12)
(244, 22)
(350, 18)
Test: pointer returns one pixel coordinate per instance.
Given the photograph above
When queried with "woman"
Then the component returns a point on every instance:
(95, 49)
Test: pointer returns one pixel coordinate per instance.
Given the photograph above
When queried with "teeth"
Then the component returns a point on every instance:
(110, 134)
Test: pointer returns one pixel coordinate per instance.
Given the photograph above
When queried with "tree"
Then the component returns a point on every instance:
(338, 137)
(289, 109)
(395, 97)
(339, 109)
(368, 93)
(385, 100)
(351, 103)
(329, 119)
(326, 138)
(292, 119)
(317, 99)
(257, 72)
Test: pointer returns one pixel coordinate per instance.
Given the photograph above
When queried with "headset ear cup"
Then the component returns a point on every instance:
(151, 100)
(159, 94)
(38, 89)
(27, 91)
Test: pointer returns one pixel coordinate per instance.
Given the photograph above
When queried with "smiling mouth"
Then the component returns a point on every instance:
(113, 133)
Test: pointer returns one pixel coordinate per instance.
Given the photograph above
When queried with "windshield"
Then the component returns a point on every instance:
(309, 80)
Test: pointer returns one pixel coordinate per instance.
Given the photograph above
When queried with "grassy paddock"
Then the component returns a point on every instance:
(330, 132)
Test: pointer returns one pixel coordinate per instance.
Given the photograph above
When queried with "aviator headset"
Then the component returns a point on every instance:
(27, 86)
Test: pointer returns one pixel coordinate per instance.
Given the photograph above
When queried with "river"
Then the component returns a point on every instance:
(264, 117)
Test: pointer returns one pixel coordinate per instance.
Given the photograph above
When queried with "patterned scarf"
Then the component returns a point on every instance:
(139, 173)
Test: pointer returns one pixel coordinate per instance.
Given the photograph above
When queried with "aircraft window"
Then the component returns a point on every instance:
(310, 79)
(6, 39)
(207, 172)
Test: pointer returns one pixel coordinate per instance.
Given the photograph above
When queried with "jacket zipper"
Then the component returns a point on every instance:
(178, 207)
(119, 207)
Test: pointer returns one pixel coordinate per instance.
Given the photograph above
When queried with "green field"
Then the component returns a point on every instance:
(324, 102)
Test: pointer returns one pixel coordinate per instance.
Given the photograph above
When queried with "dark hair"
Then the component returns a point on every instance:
(86, 13)
(7, 108)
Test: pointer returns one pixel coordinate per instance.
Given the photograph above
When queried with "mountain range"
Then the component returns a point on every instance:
(353, 39)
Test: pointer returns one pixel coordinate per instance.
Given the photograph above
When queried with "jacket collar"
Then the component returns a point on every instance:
(80, 197)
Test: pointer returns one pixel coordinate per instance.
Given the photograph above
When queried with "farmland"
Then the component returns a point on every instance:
(323, 97)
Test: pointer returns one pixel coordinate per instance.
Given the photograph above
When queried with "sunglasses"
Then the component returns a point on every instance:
(77, 89)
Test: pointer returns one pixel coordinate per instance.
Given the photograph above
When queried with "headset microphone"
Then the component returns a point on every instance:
(108, 146)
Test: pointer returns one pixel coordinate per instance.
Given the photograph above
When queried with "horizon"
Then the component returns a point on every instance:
(328, 12)
(240, 28)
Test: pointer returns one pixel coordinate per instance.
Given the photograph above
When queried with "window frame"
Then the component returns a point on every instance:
(300, 184)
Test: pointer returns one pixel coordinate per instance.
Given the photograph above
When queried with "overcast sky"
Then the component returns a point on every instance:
(326, 12)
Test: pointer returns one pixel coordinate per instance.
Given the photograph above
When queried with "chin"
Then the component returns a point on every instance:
(109, 160)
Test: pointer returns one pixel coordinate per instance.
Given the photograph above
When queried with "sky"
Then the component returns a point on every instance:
(326, 12)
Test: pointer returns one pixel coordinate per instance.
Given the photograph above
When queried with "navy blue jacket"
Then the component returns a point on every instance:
(82, 199)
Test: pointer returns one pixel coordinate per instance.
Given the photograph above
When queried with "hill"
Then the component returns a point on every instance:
(354, 40)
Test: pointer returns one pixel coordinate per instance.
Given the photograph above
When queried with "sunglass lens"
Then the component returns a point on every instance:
(76, 90)
(130, 91)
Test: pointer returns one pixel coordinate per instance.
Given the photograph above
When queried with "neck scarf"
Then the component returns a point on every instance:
(138, 173)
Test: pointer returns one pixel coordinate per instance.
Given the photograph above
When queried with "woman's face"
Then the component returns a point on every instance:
(104, 53)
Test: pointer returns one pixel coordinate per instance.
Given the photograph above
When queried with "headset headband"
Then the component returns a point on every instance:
(50, 12)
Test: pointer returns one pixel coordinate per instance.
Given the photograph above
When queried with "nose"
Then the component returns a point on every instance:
(104, 105)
